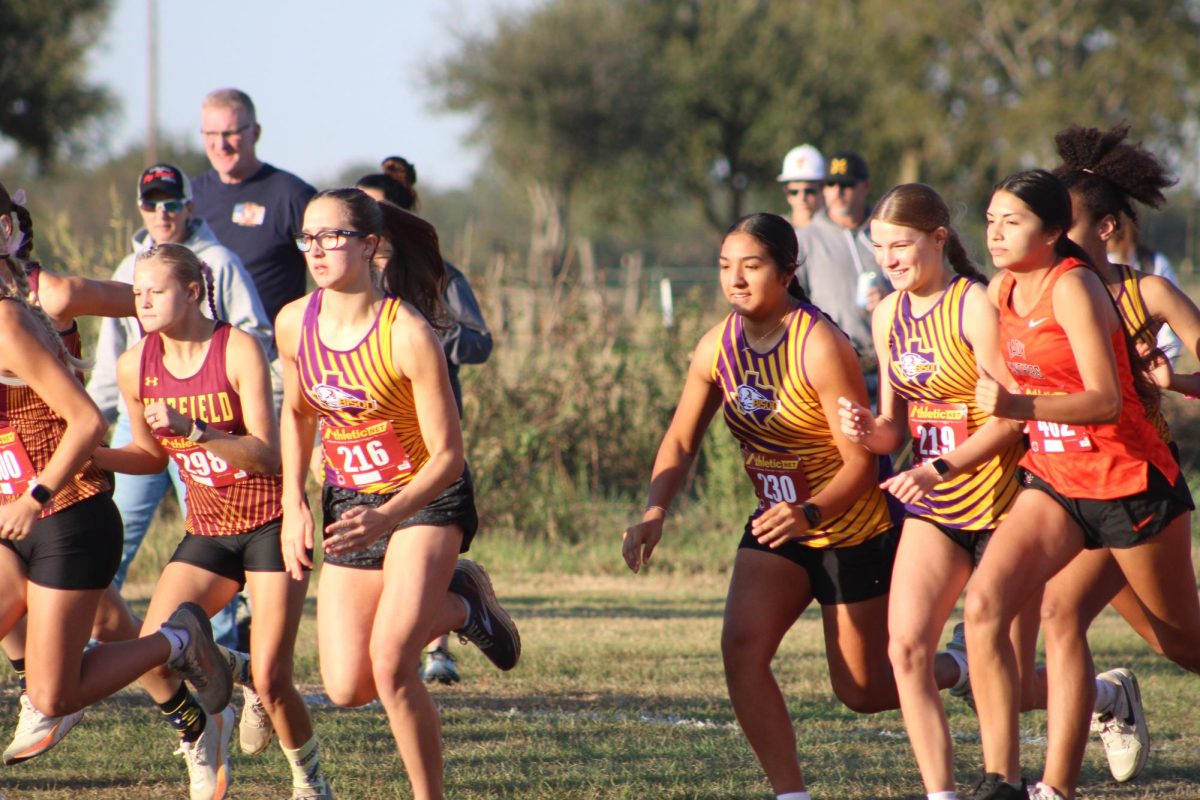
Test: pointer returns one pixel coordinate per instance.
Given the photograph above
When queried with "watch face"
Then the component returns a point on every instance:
(40, 493)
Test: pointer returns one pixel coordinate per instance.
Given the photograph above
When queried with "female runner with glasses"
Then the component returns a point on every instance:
(822, 530)
(1097, 476)
(397, 500)
(204, 391)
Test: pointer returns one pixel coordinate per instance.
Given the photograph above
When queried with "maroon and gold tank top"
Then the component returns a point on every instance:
(29, 434)
(221, 499)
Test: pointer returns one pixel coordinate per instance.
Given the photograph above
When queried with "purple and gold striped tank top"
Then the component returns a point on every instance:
(370, 434)
(777, 418)
(933, 368)
(1136, 319)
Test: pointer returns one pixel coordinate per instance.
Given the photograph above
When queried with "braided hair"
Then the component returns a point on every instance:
(187, 268)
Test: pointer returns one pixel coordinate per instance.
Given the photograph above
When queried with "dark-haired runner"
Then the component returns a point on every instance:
(1096, 476)
(397, 501)
(822, 530)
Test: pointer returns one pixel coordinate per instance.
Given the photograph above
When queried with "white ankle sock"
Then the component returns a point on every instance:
(1106, 696)
(963, 672)
(793, 796)
(942, 796)
(178, 639)
(305, 764)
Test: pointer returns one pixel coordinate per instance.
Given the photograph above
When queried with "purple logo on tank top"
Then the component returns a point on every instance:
(917, 364)
(756, 399)
(336, 398)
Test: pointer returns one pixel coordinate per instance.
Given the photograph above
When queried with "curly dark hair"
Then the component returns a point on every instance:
(1106, 173)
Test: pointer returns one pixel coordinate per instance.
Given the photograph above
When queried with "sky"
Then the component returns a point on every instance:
(335, 84)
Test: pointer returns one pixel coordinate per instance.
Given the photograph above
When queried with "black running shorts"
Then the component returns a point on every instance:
(77, 548)
(454, 506)
(973, 542)
(1124, 521)
(234, 555)
(840, 575)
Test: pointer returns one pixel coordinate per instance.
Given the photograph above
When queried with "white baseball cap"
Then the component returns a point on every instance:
(803, 163)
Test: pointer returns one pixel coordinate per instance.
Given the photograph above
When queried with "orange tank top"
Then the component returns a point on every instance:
(1099, 462)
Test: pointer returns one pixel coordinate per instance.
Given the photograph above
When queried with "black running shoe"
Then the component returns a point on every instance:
(488, 627)
(992, 786)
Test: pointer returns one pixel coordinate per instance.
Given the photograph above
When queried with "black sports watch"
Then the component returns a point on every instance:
(40, 492)
(199, 428)
(941, 466)
(812, 513)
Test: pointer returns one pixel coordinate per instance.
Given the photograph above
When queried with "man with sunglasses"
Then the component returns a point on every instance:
(803, 176)
(164, 196)
(837, 260)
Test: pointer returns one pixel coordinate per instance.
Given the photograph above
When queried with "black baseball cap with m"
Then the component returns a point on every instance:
(846, 168)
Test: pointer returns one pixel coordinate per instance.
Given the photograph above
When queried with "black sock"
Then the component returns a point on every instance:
(18, 664)
(184, 714)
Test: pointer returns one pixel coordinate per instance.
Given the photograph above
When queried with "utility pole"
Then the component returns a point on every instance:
(152, 82)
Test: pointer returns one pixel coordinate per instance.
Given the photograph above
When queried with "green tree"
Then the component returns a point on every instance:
(45, 102)
(565, 95)
(961, 93)
(646, 103)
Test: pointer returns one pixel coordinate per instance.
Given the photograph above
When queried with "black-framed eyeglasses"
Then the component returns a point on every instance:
(332, 239)
(807, 191)
(169, 206)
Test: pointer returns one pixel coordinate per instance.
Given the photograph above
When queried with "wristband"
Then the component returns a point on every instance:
(40, 492)
(653, 508)
(199, 428)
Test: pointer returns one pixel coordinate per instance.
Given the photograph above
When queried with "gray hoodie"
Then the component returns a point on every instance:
(233, 292)
(831, 260)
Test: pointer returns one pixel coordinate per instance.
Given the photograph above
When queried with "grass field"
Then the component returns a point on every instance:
(619, 695)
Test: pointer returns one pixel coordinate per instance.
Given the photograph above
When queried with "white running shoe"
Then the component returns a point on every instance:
(255, 730)
(207, 758)
(1123, 729)
(1040, 791)
(37, 733)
